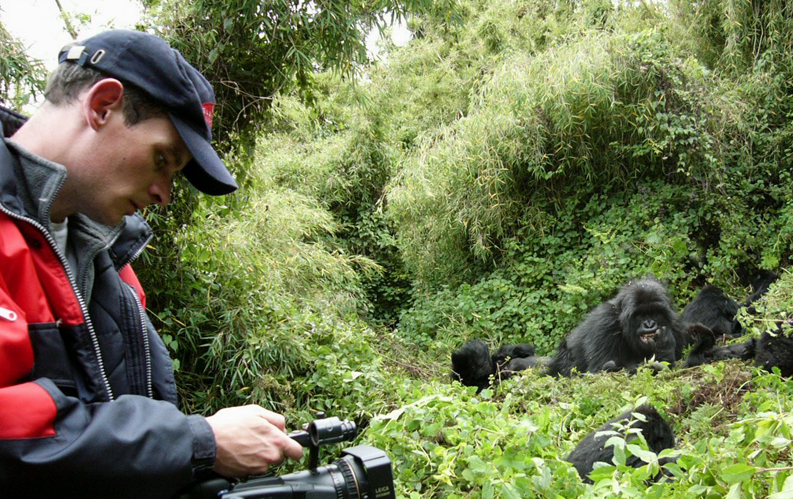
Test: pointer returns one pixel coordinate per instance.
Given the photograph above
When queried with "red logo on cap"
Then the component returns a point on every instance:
(209, 112)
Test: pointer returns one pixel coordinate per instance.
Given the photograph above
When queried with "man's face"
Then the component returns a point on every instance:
(132, 168)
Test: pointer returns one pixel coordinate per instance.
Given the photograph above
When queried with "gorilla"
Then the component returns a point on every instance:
(521, 364)
(761, 281)
(775, 350)
(592, 449)
(705, 351)
(472, 364)
(715, 310)
(519, 351)
(636, 325)
(511, 359)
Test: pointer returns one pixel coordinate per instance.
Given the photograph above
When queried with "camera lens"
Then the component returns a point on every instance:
(363, 472)
(331, 430)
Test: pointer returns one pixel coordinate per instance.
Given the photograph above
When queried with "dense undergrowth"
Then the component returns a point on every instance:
(496, 178)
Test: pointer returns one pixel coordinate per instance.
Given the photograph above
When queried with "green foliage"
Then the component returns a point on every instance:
(618, 110)
(566, 260)
(734, 36)
(250, 50)
(515, 164)
(22, 79)
(511, 441)
(260, 307)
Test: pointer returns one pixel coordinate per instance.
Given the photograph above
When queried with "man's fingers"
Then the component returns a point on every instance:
(292, 449)
(275, 419)
(249, 439)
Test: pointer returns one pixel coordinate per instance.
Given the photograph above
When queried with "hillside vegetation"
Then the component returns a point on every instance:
(496, 178)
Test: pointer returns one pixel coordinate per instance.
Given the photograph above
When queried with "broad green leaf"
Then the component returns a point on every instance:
(786, 492)
(476, 464)
(735, 492)
(645, 455)
(737, 473)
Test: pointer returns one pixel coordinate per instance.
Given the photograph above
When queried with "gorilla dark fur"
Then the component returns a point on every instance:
(775, 350)
(472, 364)
(636, 325)
(761, 281)
(519, 351)
(511, 359)
(592, 449)
(705, 351)
(715, 310)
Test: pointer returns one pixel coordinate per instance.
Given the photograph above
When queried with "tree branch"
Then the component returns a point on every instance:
(66, 21)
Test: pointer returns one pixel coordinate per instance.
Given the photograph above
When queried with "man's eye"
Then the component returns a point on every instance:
(161, 162)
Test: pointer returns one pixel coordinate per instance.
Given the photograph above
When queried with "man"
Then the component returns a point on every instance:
(87, 395)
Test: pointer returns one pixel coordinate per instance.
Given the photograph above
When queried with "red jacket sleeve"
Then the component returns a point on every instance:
(26, 409)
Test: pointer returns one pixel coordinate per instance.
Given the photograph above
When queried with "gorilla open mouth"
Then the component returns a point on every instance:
(649, 336)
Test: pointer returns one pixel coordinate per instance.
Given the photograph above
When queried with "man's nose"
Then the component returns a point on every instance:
(160, 191)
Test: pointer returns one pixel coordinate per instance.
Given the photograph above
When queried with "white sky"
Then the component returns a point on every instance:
(37, 23)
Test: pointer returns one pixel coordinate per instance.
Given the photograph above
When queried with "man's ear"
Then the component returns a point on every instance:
(100, 101)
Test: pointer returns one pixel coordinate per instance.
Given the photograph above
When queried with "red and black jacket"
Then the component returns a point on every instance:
(87, 393)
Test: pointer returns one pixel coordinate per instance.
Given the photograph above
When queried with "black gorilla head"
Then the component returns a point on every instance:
(775, 350)
(761, 281)
(472, 365)
(646, 318)
(715, 310)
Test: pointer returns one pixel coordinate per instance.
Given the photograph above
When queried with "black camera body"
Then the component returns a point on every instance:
(363, 472)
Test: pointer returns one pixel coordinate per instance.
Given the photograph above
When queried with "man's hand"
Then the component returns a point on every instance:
(249, 439)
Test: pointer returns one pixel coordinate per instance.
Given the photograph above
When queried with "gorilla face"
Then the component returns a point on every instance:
(646, 319)
(644, 330)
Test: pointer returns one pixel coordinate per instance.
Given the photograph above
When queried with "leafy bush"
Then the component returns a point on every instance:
(261, 306)
(22, 78)
(511, 441)
(618, 110)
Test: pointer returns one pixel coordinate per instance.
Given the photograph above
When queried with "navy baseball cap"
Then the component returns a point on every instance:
(149, 63)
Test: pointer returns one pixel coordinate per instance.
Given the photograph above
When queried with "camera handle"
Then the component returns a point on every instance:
(323, 431)
(319, 432)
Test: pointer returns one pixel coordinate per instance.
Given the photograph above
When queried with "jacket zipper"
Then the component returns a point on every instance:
(137, 253)
(73, 284)
(8, 315)
(141, 312)
(146, 347)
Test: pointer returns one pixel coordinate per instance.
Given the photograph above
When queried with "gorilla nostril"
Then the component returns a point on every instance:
(649, 324)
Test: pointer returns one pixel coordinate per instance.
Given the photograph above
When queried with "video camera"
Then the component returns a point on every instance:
(363, 472)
